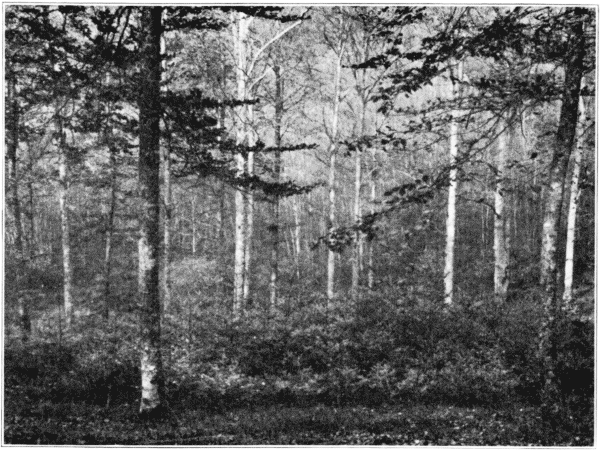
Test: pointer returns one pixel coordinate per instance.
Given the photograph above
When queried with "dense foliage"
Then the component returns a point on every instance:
(375, 354)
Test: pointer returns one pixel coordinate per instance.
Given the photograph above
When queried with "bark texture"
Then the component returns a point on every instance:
(274, 227)
(65, 225)
(149, 186)
(573, 203)
(333, 136)
(451, 215)
(500, 235)
(557, 179)
(12, 146)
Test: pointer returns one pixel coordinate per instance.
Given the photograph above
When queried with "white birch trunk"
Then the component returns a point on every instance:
(240, 28)
(573, 203)
(371, 261)
(500, 237)
(451, 217)
(65, 227)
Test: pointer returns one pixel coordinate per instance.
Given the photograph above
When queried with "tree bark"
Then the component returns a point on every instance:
(110, 219)
(65, 226)
(451, 216)
(274, 228)
(249, 207)
(167, 201)
(557, 178)
(149, 186)
(241, 24)
(500, 238)
(573, 204)
(331, 182)
(371, 261)
(13, 144)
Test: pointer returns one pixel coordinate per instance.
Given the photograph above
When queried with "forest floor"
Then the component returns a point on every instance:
(79, 424)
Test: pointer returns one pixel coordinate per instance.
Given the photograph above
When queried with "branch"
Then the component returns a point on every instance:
(264, 47)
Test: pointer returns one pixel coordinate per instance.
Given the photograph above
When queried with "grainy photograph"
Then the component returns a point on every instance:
(299, 225)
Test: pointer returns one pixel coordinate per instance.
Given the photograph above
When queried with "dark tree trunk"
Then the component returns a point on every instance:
(554, 197)
(149, 186)
(13, 143)
(274, 228)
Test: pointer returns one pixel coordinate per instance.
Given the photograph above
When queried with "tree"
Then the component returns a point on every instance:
(574, 194)
(149, 186)
(500, 222)
(451, 217)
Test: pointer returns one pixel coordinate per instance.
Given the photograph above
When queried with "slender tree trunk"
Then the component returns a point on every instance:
(193, 222)
(451, 217)
(149, 185)
(249, 208)
(575, 191)
(557, 179)
(331, 183)
(500, 238)
(110, 218)
(373, 180)
(297, 243)
(241, 24)
(65, 226)
(167, 201)
(357, 260)
(274, 228)
(13, 143)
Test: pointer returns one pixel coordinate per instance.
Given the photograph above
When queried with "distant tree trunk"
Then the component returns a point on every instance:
(241, 25)
(451, 217)
(149, 185)
(557, 179)
(356, 261)
(331, 184)
(167, 200)
(193, 222)
(573, 203)
(274, 228)
(249, 208)
(500, 238)
(371, 269)
(297, 243)
(13, 143)
(65, 226)
(110, 218)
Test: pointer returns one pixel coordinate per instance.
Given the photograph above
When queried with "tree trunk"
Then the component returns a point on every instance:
(331, 184)
(451, 217)
(249, 207)
(110, 217)
(500, 238)
(573, 203)
(241, 24)
(149, 186)
(557, 178)
(371, 261)
(167, 200)
(274, 228)
(297, 244)
(65, 226)
(193, 223)
(357, 259)
(13, 143)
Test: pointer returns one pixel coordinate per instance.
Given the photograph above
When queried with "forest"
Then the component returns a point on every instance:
(265, 225)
